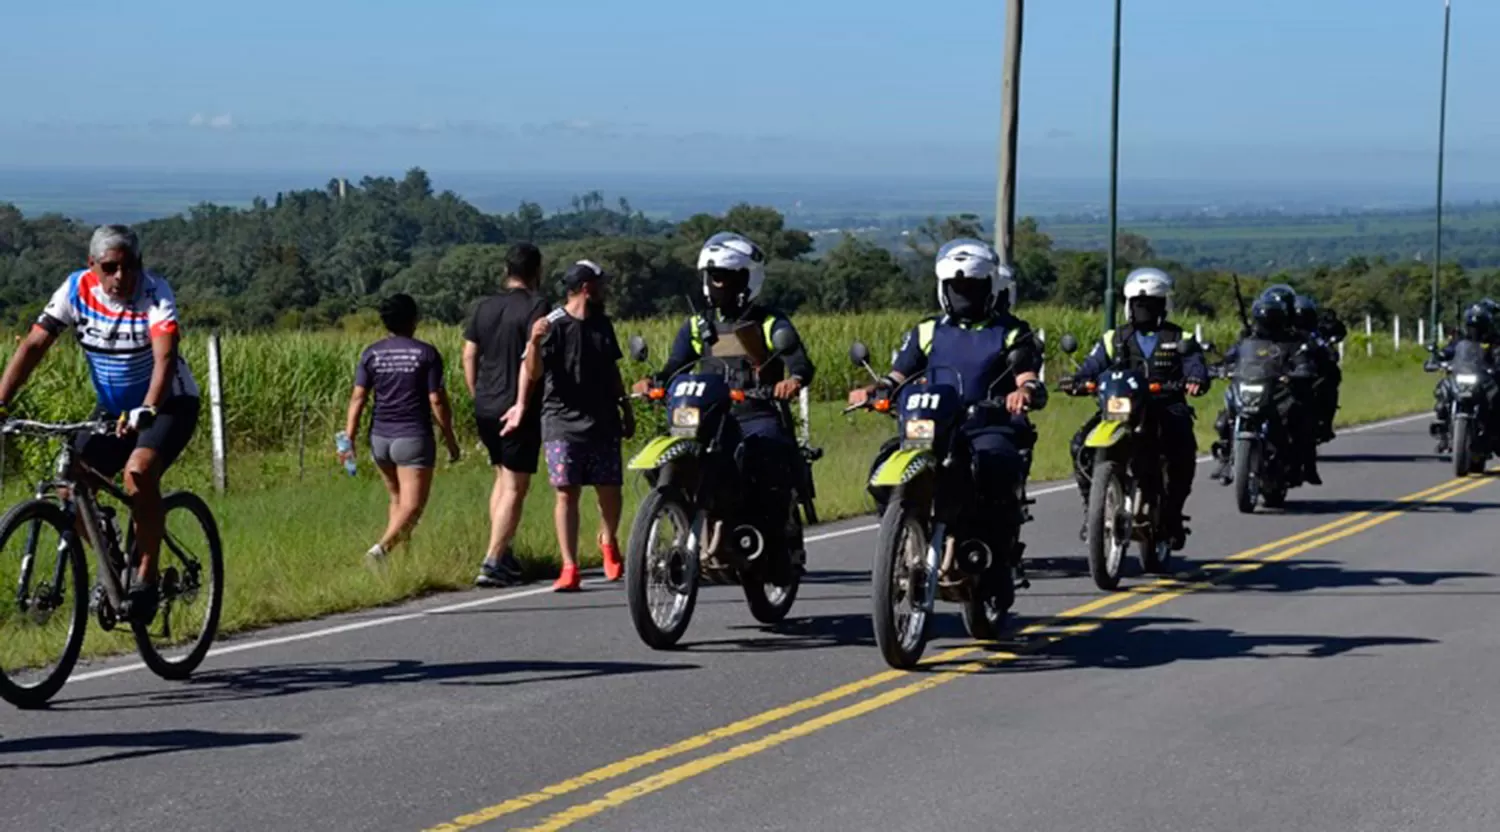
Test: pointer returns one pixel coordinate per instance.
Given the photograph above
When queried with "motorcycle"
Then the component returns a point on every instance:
(698, 484)
(1129, 473)
(940, 536)
(1263, 461)
(1467, 433)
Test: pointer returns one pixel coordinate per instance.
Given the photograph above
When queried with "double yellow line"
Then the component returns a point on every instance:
(941, 670)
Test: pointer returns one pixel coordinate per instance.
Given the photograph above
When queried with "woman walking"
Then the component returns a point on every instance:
(407, 378)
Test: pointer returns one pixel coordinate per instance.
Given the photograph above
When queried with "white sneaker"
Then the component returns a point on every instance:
(376, 554)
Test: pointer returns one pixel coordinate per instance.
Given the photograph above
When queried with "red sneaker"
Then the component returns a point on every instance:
(568, 581)
(614, 568)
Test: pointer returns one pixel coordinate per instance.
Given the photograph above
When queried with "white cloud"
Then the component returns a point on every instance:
(196, 120)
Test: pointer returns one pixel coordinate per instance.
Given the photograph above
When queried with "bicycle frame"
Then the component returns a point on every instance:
(80, 482)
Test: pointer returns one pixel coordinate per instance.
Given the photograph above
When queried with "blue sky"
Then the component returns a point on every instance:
(1333, 90)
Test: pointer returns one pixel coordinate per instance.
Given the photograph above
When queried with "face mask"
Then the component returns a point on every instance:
(968, 300)
(1146, 312)
(727, 296)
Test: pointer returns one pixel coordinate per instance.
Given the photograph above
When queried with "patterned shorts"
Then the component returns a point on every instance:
(584, 463)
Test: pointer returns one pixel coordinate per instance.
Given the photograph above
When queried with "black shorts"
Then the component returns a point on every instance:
(176, 421)
(516, 452)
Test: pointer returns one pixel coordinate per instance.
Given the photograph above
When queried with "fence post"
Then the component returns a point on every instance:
(1396, 335)
(216, 404)
(1369, 338)
(1442, 336)
(804, 403)
(302, 442)
(1198, 332)
(1421, 331)
(1341, 352)
(1041, 337)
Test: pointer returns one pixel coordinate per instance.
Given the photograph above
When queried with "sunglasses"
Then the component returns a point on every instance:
(111, 267)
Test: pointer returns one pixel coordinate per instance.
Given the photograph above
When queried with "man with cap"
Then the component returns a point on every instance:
(585, 413)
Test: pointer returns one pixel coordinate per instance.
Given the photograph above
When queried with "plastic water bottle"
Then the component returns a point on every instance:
(346, 450)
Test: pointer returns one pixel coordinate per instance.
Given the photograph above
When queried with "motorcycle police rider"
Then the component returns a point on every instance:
(1272, 330)
(1479, 330)
(1320, 346)
(736, 333)
(979, 341)
(1149, 340)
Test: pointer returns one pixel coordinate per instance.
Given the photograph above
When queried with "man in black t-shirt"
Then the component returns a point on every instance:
(585, 414)
(494, 341)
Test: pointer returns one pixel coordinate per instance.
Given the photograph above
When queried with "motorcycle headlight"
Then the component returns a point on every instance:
(1117, 407)
(922, 430)
(1252, 394)
(685, 417)
(1466, 379)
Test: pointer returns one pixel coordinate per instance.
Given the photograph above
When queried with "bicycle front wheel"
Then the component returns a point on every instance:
(43, 602)
(191, 566)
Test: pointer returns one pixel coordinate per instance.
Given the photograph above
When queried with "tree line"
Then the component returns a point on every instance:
(311, 258)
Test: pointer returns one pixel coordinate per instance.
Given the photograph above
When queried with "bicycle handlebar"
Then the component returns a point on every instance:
(15, 427)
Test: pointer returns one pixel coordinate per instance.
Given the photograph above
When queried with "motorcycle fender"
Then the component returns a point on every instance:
(902, 466)
(660, 451)
(1105, 435)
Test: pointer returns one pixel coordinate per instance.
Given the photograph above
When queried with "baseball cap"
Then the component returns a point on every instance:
(580, 273)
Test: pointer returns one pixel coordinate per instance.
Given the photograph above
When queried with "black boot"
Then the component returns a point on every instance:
(1310, 471)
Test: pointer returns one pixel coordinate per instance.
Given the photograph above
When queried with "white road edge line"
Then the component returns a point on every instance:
(354, 626)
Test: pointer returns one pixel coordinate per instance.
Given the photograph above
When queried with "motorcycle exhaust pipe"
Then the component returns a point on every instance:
(749, 543)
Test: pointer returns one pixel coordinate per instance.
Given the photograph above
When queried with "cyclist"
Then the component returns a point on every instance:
(125, 319)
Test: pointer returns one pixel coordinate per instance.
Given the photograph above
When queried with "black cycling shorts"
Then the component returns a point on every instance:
(176, 422)
(517, 451)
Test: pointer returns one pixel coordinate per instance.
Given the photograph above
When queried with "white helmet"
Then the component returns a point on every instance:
(1149, 283)
(733, 252)
(970, 259)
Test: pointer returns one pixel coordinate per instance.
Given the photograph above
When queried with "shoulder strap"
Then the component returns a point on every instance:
(925, 330)
(1111, 343)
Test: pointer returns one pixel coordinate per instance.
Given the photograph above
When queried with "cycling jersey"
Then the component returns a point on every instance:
(116, 336)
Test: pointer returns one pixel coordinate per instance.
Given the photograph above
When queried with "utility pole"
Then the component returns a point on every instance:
(1437, 242)
(1114, 182)
(1010, 111)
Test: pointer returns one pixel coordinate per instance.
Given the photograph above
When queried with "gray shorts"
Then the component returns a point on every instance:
(404, 451)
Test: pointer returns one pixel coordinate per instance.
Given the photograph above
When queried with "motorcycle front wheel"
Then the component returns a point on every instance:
(1463, 446)
(1246, 466)
(770, 602)
(661, 574)
(1109, 525)
(899, 586)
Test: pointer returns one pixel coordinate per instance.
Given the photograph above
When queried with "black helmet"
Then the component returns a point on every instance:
(1479, 321)
(1306, 316)
(1282, 294)
(1269, 317)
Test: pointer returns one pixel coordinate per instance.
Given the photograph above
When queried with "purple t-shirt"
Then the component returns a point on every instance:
(401, 372)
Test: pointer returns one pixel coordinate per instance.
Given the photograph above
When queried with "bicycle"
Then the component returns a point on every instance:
(68, 504)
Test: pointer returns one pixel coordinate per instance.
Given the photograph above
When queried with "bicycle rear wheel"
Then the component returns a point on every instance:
(43, 602)
(191, 565)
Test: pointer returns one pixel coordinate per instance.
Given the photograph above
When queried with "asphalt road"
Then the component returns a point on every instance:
(1329, 667)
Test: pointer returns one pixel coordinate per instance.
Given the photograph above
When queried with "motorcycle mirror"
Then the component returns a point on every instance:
(638, 349)
(784, 340)
(1068, 343)
(859, 353)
